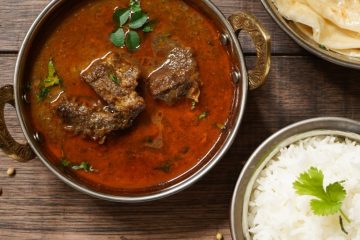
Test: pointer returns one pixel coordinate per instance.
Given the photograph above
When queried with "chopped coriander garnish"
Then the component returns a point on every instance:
(83, 166)
(128, 21)
(203, 115)
(50, 81)
(114, 79)
(327, 201)
(165, 167)
(220, 126)
(43, 93)
(65, 162)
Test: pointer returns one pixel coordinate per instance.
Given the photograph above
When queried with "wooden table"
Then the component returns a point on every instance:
(36, 205)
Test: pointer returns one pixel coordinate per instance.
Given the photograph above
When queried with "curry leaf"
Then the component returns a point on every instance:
(118, 37)
(121, 16)
(149, 26)
(135, 6)
(127, 20)
(132, 41)
(138, 20)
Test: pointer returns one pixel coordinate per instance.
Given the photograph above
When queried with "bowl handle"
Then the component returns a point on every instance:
(248, 23)
(15, 150)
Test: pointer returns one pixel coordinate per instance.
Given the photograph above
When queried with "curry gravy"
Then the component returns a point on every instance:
(132, 159)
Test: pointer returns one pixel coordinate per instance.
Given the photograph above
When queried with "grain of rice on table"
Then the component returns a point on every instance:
(277, 212)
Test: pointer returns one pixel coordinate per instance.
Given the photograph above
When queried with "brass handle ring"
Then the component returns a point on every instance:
(15, 150)
(247, 22)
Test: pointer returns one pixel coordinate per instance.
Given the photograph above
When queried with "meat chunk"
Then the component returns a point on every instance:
(92, 121)
(162, 44)
(114, 79)
(176, 77)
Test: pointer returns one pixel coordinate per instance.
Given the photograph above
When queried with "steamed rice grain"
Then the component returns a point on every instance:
(276, 212)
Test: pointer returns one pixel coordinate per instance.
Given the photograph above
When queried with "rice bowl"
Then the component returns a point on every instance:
(276, 212)
(335, 132)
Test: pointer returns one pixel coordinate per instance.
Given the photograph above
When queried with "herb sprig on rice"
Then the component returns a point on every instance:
(328, 200)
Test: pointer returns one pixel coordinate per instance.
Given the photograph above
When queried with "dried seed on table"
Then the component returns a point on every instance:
(11, 172)
(219, 236)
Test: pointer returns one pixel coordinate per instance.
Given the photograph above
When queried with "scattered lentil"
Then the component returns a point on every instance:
(219, 236)
(11, 172)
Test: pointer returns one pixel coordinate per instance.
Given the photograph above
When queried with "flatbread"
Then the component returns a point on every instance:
(343, 13)
(325, 23)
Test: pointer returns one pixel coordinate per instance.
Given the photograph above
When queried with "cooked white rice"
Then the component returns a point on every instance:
(277, 212)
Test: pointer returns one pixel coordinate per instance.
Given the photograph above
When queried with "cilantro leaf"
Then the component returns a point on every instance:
(310, 183)
(327, 201)
(324, 208)
(336, 192)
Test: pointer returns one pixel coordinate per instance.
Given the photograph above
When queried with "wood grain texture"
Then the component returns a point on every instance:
(36, 205)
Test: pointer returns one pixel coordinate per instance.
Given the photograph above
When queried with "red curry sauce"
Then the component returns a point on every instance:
(126, 161)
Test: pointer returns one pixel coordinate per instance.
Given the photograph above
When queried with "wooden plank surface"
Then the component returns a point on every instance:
(36, 205)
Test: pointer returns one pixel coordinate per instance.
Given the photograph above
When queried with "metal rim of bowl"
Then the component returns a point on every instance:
(37, 24)
(263, 154)
(309, 45)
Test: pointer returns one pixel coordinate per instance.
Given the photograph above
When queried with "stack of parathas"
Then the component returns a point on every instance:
(335, 24)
